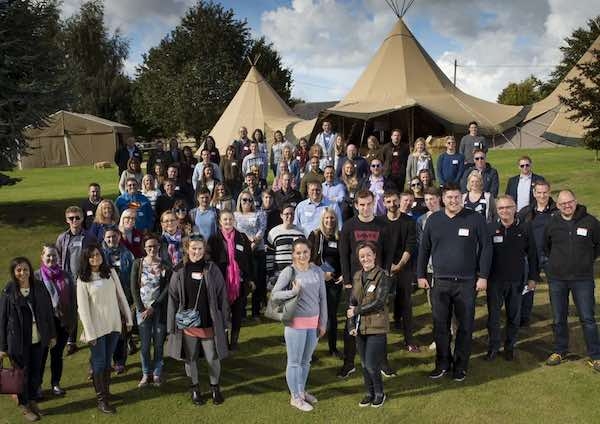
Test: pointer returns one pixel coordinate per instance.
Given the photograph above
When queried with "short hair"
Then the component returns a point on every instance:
(250, 174)
(450, 138)
(299, 241)
(288, 206)
(366, 244)
(170, 181)
(525, 157)
(406, 194)
(363, 194)
(505, 197)
(329, 166)
(74, 209)
(450, 187)
(202, 190)
(473, 123)
(432, 191)
(541, 182)
(130, 179)
(390, 193)
(94, 184)
(313, 183)
(269, 192)
(398, 130)
(475, 151)
(150, 236)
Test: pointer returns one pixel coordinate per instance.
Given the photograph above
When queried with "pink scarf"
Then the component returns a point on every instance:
(233, 270)
(54, 275)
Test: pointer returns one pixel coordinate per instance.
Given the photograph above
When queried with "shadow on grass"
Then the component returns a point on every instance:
(37, 213)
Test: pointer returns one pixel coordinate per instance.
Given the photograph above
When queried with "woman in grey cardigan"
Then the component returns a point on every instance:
(197, 284)
(419, 159)
(306, 281)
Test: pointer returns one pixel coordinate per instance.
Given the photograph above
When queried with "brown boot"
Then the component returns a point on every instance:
(102, 393)
(28, 414)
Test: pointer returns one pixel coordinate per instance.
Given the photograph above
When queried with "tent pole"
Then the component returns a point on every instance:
(66, 140)
(362, 136)
(412, 126)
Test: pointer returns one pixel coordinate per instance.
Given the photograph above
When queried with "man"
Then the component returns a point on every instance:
(160, 155)
(360, 164)
(286, 195)
(538, 214)
(166, 200)
(255, 158)
(512, 242)
(126, 152)
(204, 217)
(314, 175)
(242, 144)
(69, 245)
(182, 188)
(326, 139)
(132, 199)
(280, 240)
(395, 158)
(199, 168)
(489, 174)
(175, 155)
(251, 184)
(471, 142)
(572, 243)
(377, 184)
(332, 190)
(308, 211)
(363, 227)
(89, 205)
(433, 203)
(456, 239)
(450, 164)
(520, 187)
(270, 209)
(402, 242)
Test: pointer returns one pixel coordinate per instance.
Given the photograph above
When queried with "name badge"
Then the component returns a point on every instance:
(476, 144)
(332, 244)
(352, 195)
(463, 232)
(395, 154)
(454, 161)
(239, 247)
(196, 276)
(163, 272)
(140, 213)
(76, 243)
(246, 148)
(498, 239)
(483, 200)
(158, 160)
(98, 283)
(89, 213)
(233, 163)
(177, 188)
(414, 205)
(298, 157)
(136, 239)
(371, 289)
(117, 263)
(309, 213)
(582, 232)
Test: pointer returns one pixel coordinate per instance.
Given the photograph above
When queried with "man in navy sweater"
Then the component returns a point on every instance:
(457, 241)
(450, 164)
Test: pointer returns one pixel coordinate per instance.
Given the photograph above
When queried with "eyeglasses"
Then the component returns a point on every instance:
(524, 165)
(415, 184)
(375, 165)
(246, 200)
(480, 158)
(567, 203)
(180, 210)
(74, 218)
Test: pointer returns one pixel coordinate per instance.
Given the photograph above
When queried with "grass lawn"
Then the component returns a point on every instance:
(253, 380)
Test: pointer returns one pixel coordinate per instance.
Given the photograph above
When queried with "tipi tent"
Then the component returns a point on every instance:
(255, 105)
(73, 139)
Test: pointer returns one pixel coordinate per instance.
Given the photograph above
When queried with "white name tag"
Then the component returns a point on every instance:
(98, 283)
(414, 205)
(371, 289)
(483, 201)
(454, 161)
(136, 239)
(89, 213)
(463, 232)
(233, 163)
(177, 188)
(476, 144)
(117, 263)
(498, 239)
(192, 166)
(395, 154)
(309, 213)
(332, 244)
(140, 213)
(246, 147)
(196, 276)
(582, 232)
(163, 272)
(298, 157)
(239, 247)
(76, 243)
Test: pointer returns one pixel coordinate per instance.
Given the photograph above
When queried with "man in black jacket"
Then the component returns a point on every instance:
(395, 157)
(286, 195)
(520, 187)
(126, 152)
(89, 205)
(572, 244)
(512, 242)
(461, 253)
(488, 173)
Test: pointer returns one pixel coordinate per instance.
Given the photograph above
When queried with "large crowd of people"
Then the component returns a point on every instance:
(192, 249)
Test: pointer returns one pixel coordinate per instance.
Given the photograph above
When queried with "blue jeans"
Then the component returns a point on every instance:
(300, 345)
(152, 332)
(583, 297)
(102, 352)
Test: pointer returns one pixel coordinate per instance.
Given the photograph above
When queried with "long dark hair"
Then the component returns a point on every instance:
(17, 261)
(85, 270)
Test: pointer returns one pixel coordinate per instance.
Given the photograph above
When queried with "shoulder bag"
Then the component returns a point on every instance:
(190, 318)
(283, 311)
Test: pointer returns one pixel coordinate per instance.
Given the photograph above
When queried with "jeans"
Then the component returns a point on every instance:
(152, 332)
(334, 294)
(102, 352)
(583, 297)
(300, 345)
(450, 297)
(56, 355)
(509, 294)
(32, 362)
(403, 303)
(371, 349)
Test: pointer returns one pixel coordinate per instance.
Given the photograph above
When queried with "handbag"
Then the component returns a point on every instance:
(282, 310)
(190, 318)
(11, 379)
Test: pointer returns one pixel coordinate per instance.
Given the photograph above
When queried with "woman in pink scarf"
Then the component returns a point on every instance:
(231, 251)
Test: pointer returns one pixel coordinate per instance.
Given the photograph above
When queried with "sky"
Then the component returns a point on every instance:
(328, 43)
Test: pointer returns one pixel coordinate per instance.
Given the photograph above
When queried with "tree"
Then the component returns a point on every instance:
(185, 83)
(584, 100)
(32, 83)
(525, 92)
(95, 60)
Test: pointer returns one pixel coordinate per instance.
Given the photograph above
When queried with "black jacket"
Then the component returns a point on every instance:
(217, 248)
(538, 221)
(291, 197)
(122, 156)
(402, 236)
(16, 319)
(572, 246)
(161, 302)
(491, 183)
(513, 184)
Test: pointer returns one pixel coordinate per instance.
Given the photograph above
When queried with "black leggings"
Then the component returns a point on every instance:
(334, 294)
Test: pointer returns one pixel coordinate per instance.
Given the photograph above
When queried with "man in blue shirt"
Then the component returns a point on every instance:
(332, 190)
(132, 199)
(450, 165)
(308, 212)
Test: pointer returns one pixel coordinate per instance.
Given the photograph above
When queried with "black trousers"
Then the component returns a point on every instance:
(509, 294)
(259, 297)
(32, 362)
(372, 349)
(334, 295)
(453, 297)
(237, 309)
(56, 355)
(349, 341)
(403, 303)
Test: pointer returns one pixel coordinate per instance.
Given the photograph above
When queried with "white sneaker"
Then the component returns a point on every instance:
(144, 381)
(301, 404)
(309, 398)
(432, 346)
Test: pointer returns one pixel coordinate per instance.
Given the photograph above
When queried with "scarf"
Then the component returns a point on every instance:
(233, 270)
(55, 284)
(174, 247)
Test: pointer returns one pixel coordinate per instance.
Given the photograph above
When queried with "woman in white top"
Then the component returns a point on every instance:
(476, 199)
(103, 311)
(150, 190)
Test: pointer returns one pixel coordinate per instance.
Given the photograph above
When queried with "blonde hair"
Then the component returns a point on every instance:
(127, 212)
(420, 140)
(238, 207)
(474, 175)
(329, 211)
(115, 215)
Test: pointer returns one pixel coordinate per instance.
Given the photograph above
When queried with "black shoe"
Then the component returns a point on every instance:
(131, 347)
(336, 354)
(39, 395)
(459, 375)
(58, 391)
(346, 370)
(71, 348)
(387, 371)
(197, 396)
(490, 355)
(378, 401)
(525, 324)
(397, 325)
(366, 401)
(438, 373)
(217, 397)
(509, 354)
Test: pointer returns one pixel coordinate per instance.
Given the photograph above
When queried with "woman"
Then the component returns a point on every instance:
(293, 166)
(104, 313)
(61, 288)
(418, 206)
(208, 179)
(253, 224)
(368, 321)
(150, 190)
(305, 281)
(26, 329)
(187, 164)
(231, 169)
(198, 285)
(150, 278)
(184, 223)
(426, 178)
(339, 150)
(475, 198)
(107, 215)
(259, 137)
(171, 246)
(134, 170)
(419, 159)
(131, 237)
(222, 199)
(374, 151)
(302, 155)
(211, 146)
(231, 251)
(160, 174)
(317, 150)
(276, 150)
(325, 254)
(261, 182)
(350, 180)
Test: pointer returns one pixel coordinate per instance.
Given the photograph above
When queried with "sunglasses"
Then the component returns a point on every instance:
(415, 184)
(479, 158)
(246, 200)
(74, 218)
(375, 165)
(180, 210)
(524, 165)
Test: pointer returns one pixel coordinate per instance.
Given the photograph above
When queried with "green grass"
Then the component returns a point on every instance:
(253, 380)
